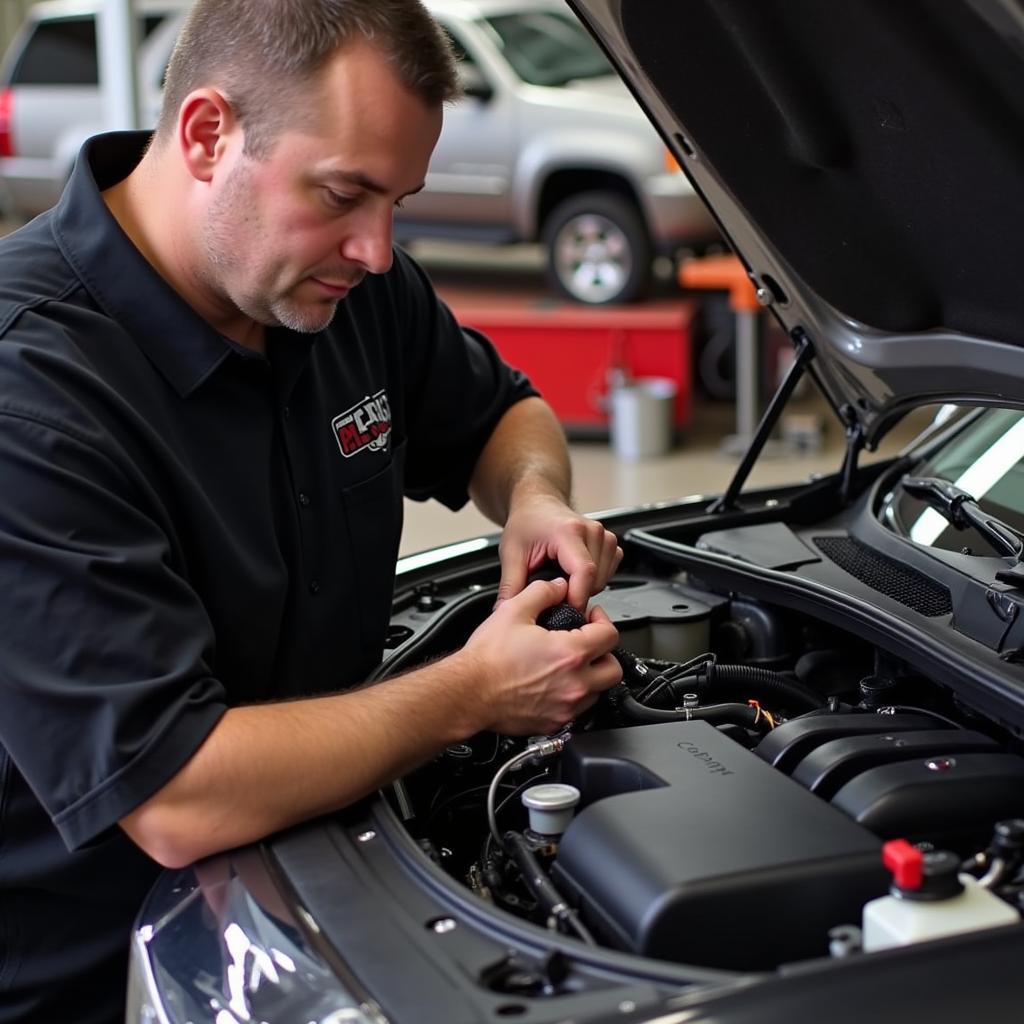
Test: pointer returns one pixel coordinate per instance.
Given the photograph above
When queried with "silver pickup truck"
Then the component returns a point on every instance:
(547, 145)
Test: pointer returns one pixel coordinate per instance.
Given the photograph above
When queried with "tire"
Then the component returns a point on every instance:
(598, 249)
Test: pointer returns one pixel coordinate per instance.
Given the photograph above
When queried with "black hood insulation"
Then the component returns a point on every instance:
(876, 143)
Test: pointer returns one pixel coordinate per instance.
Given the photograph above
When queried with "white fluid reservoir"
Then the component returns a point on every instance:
(929, 899)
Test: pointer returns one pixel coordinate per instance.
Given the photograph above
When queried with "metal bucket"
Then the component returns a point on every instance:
(641, 417)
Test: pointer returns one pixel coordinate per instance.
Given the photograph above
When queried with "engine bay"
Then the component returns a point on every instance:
(729, 804)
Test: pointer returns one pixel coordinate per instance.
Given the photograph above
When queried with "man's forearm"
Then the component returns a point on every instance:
(266, 767)
(526, 453)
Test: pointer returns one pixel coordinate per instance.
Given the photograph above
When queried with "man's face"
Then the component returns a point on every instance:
(288, 236)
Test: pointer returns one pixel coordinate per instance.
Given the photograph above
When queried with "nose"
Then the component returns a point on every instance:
(368, 243)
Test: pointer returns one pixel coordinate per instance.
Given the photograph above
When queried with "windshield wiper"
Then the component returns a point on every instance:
(962, 511)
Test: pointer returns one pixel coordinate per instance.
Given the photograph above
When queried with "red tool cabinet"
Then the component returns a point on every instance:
(574, 354)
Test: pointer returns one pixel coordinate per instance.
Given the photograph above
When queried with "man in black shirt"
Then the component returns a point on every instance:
(217, 381)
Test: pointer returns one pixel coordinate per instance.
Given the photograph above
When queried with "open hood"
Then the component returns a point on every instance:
(866, 162)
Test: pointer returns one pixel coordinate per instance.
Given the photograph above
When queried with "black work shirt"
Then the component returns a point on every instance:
(185, 525)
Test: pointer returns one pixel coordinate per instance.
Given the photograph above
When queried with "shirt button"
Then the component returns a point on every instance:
(303, 499)
(314, 587)
(286, 412)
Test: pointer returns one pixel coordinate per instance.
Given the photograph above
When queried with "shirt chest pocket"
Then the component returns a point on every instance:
(373, 525)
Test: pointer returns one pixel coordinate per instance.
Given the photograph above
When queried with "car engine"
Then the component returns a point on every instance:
(729, 804)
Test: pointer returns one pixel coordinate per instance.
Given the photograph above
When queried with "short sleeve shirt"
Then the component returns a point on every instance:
(185, 525)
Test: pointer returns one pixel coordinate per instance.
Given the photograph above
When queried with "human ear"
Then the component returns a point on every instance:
(205, 121)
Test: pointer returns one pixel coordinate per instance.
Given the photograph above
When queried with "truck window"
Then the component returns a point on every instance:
(62, 51)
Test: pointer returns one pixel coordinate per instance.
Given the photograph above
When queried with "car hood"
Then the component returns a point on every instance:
(866, 162)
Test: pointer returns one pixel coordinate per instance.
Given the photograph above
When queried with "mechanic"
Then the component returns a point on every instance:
(218, 380)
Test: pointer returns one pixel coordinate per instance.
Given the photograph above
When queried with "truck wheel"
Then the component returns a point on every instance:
(598, 249)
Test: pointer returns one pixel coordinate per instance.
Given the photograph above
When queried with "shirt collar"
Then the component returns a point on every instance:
(179, 342)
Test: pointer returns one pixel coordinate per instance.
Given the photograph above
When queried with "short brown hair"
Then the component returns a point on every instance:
(261, 53)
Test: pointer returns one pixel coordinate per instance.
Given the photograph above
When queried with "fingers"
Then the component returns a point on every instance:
(590, 560)
(592, 642)
(538, 680)
(606, 672)
(540, 594)
(599, 635)
(608, 559)
(514, 570)
(582, 584)
(599, 676)
(545, 529)
(576, 558)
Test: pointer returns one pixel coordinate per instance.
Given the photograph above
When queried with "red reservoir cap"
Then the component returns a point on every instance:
(905, 862)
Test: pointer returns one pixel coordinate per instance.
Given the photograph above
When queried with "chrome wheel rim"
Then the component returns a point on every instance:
(592, 257)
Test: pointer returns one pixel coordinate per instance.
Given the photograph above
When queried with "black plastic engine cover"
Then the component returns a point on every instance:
(690, 848)
(785, 747)
(829, 767)
(950, 801)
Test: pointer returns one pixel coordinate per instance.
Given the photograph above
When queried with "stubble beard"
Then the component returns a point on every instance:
(229, 217)
(296, 317)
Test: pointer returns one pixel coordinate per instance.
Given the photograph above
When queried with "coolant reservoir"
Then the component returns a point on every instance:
(657, 619)
(929, 899)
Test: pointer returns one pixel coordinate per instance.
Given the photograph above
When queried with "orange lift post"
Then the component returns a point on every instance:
(726, 273)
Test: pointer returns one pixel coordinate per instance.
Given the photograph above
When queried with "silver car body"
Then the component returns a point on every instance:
(495, 156)
(508, 159)
(49, 122)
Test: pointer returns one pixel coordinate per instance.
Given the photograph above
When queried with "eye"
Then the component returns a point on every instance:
(337, 200)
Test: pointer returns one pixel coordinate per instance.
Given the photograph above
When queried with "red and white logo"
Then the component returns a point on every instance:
(364, 427)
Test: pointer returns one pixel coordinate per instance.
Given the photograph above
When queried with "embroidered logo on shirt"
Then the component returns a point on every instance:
(364, 427)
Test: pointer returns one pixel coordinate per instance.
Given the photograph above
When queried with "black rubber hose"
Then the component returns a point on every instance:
(734, 714)
(542, 888)
(747, 677)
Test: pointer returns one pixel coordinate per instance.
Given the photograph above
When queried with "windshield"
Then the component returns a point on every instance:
(987, 461)
(548, 48)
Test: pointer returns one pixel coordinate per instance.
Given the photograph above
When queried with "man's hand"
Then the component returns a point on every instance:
(542, 528)
(522, 480)
(533, 680)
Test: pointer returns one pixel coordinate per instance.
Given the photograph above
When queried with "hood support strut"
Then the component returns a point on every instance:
(854, 444)
(804, 354)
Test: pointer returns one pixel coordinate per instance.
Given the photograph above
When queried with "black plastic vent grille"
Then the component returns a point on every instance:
(886, 575)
